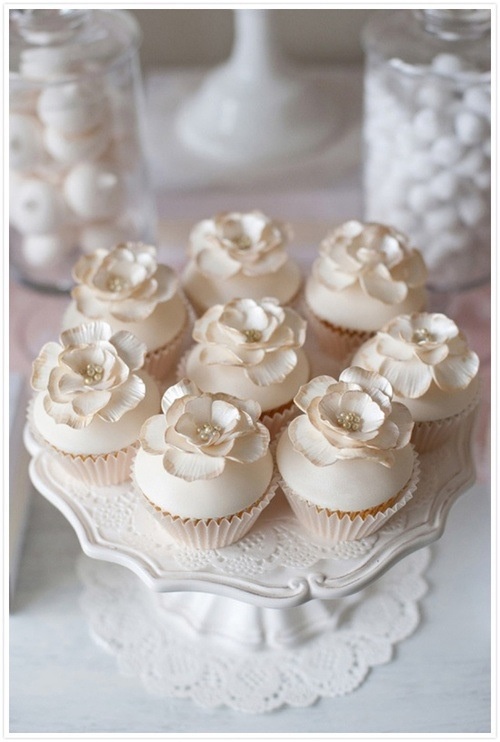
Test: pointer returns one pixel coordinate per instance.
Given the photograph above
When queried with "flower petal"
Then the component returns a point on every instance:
(91, 402)
(124, 398)
(275, 367)
(84, 334)
(457, 371)
(152, 435)
(252, 447)
(221, 267)
(192, 466)
(409, 379)
(130, 349)
(88, 303)
(317, 387)
(185, 387)
(43, 364)
(310, 442)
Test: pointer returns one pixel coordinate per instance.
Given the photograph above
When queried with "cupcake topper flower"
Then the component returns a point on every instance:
(232, 243)
(199, 432)
(261, 336)
(351, 418)
(373, 255)
(89, 374)
(422, 348)
(125, 282)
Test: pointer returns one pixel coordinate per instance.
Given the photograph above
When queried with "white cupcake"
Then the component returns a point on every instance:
(204, 466)
(92, 397)
(127, 288)
(253, 350)
(347, 464)
(432, 371)
(365, 274)
(238, 254)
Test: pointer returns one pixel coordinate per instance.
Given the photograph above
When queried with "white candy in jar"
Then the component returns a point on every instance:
(94, 191)
(25, 142)
(470, 128)
(72, 149)
(38, 207)
(46, 61)
(103, 235)
(42, 250)
(72, 107)
(472, 209)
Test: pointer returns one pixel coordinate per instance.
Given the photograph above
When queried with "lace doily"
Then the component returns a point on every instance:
(297, 656)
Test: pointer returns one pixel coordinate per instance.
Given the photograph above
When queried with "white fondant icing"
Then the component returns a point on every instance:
(233, 380)
(204, 292)
(346, 485)
(352, 309)
(99, 437)
(155, 331)
(234, 490)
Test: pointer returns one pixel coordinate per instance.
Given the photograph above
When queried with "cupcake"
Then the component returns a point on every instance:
(252, 350)
(432, 371)
(365, 275)
(127, 288)
(239, 255)
(347, 464)
(92, 397)
(204, 466)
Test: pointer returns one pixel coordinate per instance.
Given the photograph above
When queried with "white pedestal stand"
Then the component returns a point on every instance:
(273, 619)
(256, 107)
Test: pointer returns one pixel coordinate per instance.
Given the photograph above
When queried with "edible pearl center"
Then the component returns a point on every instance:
(349, 420)
(243, 242)
(92, 373)
(252, 336)
(115, 284)
(207, 431)
(422, 336)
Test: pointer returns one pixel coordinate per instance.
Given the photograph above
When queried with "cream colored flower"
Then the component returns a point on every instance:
(199, 432)
(90, 374)
(373, 255)
(418, 349)
(233, 242)
(351, 418)
(261, 336)
(125, 282)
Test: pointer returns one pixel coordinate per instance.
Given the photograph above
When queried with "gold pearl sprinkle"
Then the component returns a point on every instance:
(422, 336)
(349, 421)
(92, 373)
(243, 242)
(252, 336)
(115, 284)
(207, 431)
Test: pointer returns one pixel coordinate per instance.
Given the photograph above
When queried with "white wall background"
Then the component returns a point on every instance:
(175, 37)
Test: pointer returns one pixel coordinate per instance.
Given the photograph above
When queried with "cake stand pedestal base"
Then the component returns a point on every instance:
(219, 651)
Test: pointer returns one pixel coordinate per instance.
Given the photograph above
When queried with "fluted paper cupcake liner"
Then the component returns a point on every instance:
(333, 527)
(429, 435)
(212, 533)
(94, 470)
(160, 362)
(338, 343)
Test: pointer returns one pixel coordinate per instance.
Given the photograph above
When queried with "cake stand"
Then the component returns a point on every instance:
(274, 619)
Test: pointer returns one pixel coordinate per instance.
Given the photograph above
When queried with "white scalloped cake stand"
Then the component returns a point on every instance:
(204, 625)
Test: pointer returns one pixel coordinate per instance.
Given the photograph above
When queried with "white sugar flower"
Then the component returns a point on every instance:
(375, 256)
(198, 432)
(125, 282)
(418, 349)
(261, 336)
(351, 418)
(90, 374)
(233, 242)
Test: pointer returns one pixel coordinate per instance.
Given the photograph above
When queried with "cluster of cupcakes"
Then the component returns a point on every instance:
(242, 414)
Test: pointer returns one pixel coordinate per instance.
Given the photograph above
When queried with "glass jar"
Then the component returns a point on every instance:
(78, 177)
(427, 137)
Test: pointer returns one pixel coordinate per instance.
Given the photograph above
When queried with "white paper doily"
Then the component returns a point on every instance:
(189, 645)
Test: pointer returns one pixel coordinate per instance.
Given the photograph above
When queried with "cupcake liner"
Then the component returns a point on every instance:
(213, 533)
(274, 420)
(431, 434)
(158, 363)
(338, 343)
(93, 470)
(333, 527)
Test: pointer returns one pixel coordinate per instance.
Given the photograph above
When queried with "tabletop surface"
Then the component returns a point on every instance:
(61, 681)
